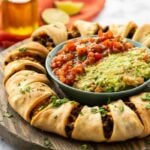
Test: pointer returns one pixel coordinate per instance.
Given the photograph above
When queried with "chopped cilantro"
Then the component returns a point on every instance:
(56, 102)
(47, 143)
(25, 89)
(83, 58)
(81, 113)
(8, 115)
(84, 147)
(121, 108)
(23, 49)
(146, 97)
(101, 110)
(148, 106)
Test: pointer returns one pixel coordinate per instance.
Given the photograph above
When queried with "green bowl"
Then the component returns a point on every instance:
(91, 98)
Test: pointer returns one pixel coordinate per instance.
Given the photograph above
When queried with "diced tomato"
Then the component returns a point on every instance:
(81, 50)
(108, 34)
(71, 46)
(78, 69)
(128, 45)
(98, 56)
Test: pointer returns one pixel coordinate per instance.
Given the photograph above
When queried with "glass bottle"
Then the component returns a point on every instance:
(19, 17)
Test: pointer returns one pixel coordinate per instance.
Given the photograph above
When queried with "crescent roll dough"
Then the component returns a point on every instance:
(88, 126)
(142, 33)
(18, 65)
(56, 31)
(147, 42)
(26, 97)
(86, 28)
(126, 123)
(144, 113)
(24, 77)
(31, 49)
(123, 30)
(54, 119)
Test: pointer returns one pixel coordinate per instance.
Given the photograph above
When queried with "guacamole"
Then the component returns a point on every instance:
(116, 72)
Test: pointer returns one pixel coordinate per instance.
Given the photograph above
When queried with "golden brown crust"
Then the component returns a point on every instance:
(142, 33)
(25, 97)
(127, 125)
(123, 30)
(88, 126)
(56, 31)
(87, 28)
(143, 111)
(31, 49)
(19, 65)
(53, 119)
(24, 77)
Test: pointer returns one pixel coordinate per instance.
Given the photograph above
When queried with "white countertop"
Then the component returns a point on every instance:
(115, 11)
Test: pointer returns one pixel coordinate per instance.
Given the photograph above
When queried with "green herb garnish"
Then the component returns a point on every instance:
(84, 147)
(101, 110)
(22, 50)
(47, 143)
(56, 102)
(121, 108)
(81, 113)
(82, 58)
(8, 115)
(95, 110)
(148, 106)
(25, 89)
(146, 97)
(110, 89)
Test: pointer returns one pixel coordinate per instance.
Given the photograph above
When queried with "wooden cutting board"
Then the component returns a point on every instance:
(20, 134)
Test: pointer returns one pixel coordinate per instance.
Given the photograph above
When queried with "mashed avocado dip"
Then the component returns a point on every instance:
(116, 72)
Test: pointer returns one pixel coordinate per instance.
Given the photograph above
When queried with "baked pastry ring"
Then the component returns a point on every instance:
(126, 123)
(31, 97)
(22, 64)
(87, 28)
(24, 98)
(32, 49)
(24, 77)
(54, 119)
(142, 35)
(126, 31)
(91, 122)
(50, 35)
(143, 112)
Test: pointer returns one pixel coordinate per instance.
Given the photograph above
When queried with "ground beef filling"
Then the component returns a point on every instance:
(71, 119)
(105, 29)
(45, 40)
(73, 32)
(131, 33)
(26, 55)
(132, 106)
(107, 121)
(40, 107)
(28, 67)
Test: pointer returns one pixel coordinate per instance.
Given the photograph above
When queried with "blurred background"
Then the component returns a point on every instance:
(19, 18)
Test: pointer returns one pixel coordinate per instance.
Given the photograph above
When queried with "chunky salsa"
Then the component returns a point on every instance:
(77, 54)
